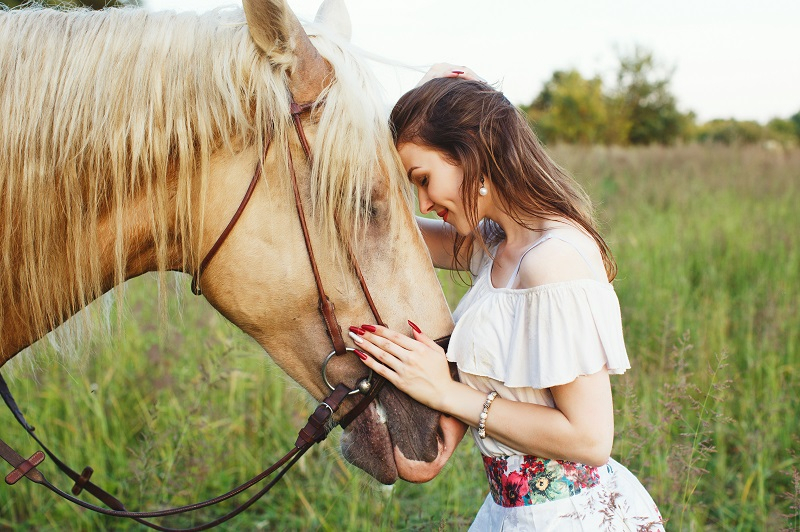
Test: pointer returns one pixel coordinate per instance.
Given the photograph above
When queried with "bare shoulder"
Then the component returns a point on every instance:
(568, 255)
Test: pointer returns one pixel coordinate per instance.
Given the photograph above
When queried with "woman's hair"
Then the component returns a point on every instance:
(475, 127)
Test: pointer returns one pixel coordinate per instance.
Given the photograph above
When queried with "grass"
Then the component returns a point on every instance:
(708, 248)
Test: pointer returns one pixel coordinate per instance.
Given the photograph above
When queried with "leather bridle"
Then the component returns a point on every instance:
(319, 424)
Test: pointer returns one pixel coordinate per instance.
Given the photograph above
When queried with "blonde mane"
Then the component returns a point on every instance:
(101, 106)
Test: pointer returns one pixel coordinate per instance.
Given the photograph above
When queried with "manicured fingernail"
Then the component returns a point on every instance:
(370, 328)
(458, 72)
(414, 326)
(357, 330)
(356, 338)
(361, 354)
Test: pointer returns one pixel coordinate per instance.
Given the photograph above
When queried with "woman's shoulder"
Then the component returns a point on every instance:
(564, 254)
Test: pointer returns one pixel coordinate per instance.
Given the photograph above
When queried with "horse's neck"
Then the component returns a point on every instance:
(18, 319)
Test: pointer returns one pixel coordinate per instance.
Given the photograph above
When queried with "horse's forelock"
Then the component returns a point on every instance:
(355, 149)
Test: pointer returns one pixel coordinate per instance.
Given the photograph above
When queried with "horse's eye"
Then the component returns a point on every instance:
(369, 209)
(376, 206)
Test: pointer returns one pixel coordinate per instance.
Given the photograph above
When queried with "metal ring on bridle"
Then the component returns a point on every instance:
(362, 386)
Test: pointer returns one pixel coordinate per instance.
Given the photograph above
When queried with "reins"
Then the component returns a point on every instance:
(317, 428)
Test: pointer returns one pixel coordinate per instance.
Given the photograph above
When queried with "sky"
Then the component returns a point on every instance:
(729, 58)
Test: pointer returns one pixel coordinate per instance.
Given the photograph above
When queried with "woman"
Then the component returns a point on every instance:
(538, 333)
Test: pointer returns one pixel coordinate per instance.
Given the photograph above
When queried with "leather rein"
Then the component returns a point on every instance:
(319, 424)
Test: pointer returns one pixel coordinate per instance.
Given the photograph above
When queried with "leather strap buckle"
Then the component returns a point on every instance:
(23, 469)
(86, 474)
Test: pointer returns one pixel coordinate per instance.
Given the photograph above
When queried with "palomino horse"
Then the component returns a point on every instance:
(127, 141)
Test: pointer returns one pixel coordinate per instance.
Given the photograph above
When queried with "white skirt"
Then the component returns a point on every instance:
(618, 502)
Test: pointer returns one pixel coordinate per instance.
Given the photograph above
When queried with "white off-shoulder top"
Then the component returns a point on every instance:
(520, 342)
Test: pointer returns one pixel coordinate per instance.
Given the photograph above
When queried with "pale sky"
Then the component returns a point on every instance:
(731, 58)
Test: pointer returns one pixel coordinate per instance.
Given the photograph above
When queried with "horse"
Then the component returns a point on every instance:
(127, 140)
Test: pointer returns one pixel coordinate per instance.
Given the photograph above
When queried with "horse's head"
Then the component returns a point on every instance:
(357, 197)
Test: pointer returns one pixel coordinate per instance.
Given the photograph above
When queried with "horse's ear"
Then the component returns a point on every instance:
(334, 15)
(271, 26)
(278, 33)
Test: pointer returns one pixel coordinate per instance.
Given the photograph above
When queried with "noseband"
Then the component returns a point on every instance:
(316, 429)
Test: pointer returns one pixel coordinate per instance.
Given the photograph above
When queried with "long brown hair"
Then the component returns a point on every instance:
(476, 127)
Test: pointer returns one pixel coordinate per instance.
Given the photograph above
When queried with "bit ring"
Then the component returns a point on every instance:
(358, 388)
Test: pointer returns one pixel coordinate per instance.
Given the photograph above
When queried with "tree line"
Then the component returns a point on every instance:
(638, 109)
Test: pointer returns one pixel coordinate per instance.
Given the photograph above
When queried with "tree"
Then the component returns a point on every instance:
(643, 97)
(640, 109)
(689, 127)
(795, 119)
(569, 109)
(781, 130)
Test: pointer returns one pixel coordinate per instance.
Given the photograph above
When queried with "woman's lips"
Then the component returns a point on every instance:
(443, 214)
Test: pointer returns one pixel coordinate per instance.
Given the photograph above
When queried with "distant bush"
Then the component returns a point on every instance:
(731, 132)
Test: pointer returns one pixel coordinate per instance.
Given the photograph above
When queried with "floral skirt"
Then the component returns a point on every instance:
(528, 493)
(535, 481)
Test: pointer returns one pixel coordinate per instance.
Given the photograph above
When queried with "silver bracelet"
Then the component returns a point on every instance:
(485, 414)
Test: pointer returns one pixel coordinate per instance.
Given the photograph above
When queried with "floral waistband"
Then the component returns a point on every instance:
(527, 480)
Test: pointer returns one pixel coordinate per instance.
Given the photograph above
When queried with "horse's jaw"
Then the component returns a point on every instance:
(399, 438)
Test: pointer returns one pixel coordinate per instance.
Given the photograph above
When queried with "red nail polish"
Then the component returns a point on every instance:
(357, 330)
(414, 326)
(370, 328)
(360, 354)
(458, 71)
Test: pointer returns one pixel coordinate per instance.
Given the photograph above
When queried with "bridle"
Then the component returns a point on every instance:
(319, 424)
(326, 307)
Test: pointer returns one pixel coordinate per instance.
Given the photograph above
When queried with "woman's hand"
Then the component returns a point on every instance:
(416, 366)
(446, 70)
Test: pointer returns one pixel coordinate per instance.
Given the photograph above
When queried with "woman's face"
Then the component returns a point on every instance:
(438, 183)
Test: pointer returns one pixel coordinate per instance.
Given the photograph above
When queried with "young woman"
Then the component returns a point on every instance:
(538, 333)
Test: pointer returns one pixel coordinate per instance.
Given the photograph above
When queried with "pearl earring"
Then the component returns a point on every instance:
(483, 190)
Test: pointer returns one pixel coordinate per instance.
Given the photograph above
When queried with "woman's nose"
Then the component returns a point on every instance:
(425, 203)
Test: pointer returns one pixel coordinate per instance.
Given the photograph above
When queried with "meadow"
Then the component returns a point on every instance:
(707, 241)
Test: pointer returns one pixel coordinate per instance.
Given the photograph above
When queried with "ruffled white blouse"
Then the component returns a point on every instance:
(520, 342)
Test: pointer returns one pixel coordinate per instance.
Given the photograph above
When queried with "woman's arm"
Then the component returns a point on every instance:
(439, 236)
(579, 429)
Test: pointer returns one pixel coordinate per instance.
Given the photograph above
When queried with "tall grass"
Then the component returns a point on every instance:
(708, 245)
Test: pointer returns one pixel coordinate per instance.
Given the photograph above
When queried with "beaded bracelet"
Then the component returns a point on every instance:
(485, 414)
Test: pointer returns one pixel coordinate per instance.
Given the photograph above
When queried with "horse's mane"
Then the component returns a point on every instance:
(97, 106)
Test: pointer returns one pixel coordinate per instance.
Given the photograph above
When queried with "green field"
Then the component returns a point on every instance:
(708, 245)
